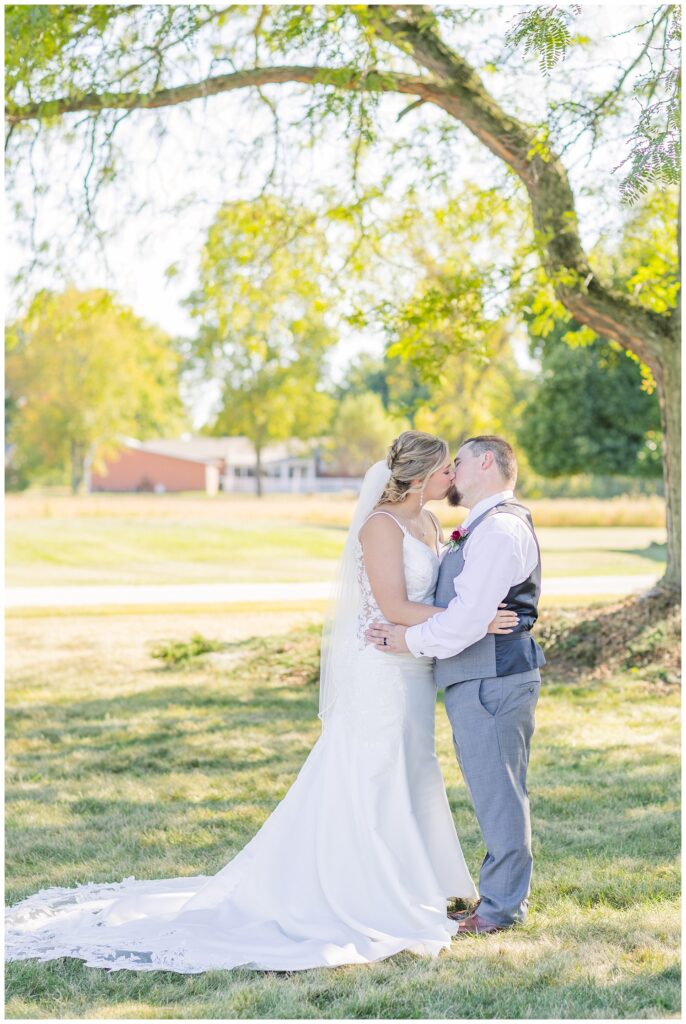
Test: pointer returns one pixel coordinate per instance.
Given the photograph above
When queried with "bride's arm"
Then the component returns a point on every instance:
(412, 613)
(382, 548)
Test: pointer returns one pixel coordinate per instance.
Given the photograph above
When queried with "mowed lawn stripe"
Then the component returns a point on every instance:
(114, 550)
(62, 551)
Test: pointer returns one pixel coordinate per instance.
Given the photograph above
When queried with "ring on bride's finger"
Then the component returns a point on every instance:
(385, 641)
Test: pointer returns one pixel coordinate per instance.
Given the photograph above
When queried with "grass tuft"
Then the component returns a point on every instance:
(178, 653)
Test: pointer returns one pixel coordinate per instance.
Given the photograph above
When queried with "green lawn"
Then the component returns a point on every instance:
(118, 767)
(109, 539)
(602, 551)
(112, 551)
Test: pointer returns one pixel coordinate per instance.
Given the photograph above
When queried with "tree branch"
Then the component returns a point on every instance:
(617, 87)
(340, 78)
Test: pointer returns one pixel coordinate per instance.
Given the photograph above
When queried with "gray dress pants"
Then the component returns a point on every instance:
(493, 722)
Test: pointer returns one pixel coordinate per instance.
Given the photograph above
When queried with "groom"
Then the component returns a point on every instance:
(491, 681)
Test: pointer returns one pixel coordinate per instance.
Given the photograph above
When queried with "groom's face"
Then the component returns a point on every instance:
(466, 475)
(437, 486)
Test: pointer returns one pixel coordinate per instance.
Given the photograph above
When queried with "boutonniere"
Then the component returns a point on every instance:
(457, 538)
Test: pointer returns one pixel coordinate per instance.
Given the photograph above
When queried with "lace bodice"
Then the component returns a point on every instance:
(421, 574)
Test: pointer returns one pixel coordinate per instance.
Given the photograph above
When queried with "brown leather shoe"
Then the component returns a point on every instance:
(475, 925)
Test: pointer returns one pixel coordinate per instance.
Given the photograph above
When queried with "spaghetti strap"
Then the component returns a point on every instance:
(437, 528)
(390, 515)
(436, 525)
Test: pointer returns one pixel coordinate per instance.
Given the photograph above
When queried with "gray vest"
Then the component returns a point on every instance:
(493, 655)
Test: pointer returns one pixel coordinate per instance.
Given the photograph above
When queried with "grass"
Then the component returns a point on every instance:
(75, 551)
(119, 766)
(110, 539)
(314, 509)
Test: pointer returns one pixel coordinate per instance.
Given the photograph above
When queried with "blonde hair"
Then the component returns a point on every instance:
(413, 455)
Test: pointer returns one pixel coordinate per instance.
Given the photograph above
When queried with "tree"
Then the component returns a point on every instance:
(263, 325)
(477, 396)
(361, 433)
(469, 395)
(398, 385)
(82, 370)
(369, 50)
(589, 413)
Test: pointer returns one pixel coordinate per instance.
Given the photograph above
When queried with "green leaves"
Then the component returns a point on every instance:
(655, 158)
(581, 337)
(176, 654)
(360, 433)
(545, 34)
(589, 412)
(81, 370)
(644, 262)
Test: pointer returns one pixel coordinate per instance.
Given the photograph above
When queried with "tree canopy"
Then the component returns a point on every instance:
(360, 434)
(448, 73)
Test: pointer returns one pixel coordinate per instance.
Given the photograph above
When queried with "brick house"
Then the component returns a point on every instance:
(209, 464)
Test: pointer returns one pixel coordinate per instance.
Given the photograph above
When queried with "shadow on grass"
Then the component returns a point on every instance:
(654, 551)
(111, 736)
(629, 817)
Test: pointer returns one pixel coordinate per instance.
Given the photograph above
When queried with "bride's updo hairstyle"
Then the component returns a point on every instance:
(413, 455)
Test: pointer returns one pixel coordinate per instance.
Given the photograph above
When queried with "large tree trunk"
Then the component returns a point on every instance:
(668, 378)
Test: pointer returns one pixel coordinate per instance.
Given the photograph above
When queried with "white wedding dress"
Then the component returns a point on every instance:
(354, 865)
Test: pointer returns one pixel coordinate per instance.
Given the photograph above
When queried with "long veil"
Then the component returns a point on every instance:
(339, 633)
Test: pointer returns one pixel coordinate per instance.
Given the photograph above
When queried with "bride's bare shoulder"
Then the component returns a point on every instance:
(387, 506)
(377, 526)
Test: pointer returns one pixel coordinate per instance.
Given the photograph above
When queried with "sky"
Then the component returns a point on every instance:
(202, 154)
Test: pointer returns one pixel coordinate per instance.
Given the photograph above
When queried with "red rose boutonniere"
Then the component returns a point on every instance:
(457, 538)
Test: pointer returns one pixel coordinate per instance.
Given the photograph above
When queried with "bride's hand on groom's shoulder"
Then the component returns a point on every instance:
(387, 637)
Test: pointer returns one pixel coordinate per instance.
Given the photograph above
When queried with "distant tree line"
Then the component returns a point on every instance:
(82, 370)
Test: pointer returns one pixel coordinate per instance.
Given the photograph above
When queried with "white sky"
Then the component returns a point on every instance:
(196, 157)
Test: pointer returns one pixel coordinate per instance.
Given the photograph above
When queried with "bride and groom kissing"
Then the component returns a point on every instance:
(360, 858)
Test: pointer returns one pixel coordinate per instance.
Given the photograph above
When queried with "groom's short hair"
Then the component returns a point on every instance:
(503, 453)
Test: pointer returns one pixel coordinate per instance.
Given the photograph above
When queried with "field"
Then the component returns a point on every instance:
(118, 765)
(236, 538)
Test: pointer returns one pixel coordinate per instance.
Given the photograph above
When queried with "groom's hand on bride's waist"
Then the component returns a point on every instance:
(387, 638)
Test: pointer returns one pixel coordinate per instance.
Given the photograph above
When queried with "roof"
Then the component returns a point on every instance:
(236, 451)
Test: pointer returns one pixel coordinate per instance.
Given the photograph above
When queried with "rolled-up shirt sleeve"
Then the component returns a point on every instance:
(497, 557)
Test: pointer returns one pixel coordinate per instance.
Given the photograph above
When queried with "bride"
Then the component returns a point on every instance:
(357, 861)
